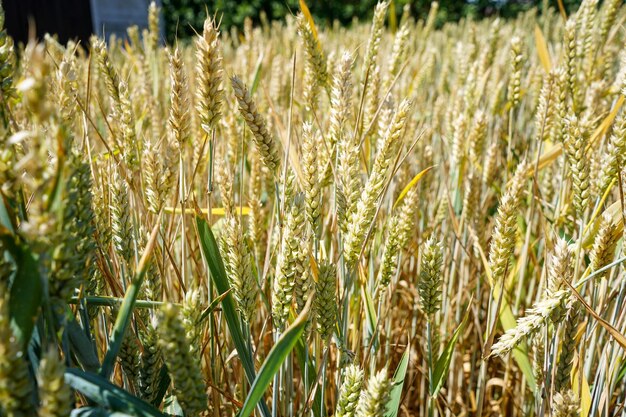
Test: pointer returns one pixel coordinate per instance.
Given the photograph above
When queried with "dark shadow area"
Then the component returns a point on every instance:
(68, 19)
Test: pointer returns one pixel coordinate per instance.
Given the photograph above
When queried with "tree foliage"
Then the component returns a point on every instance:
(185, 17)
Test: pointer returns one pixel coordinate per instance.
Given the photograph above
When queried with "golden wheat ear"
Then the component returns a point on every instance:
(265, 142)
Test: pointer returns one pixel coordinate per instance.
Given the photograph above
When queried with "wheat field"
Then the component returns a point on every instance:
(295, 219)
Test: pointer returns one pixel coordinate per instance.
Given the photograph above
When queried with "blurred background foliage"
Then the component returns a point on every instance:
(182, 17)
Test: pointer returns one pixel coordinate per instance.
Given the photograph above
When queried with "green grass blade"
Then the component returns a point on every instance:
(211, 308)
(5, 216)
(303, 360)
(107, 395)
(82, 345)
(218, 274)
(26, 289)
(26, 296)
(622, 372)
(274, 360)
(370, 310)
(115, 302)
(257, 75)
(126, 310)
(96, 412)
(162, 386)
(393, 405)
(172, 407)
(212, 256)
(443, 363)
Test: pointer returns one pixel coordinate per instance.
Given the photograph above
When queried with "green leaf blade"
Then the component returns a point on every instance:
(274, 360)
(96, 412)
(393, 405)
(107, 395)
(443, 362)
(214, 261)
(122, 321)
(26, 288)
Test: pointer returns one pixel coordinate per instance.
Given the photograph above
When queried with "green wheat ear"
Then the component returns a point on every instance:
(129, 359)
(568, 347)
(238, 261)
(54, 394)
(365, 208)
(121, 225)
(400, 226)
(151, 360)
(503, 241)
(604, 244)
(316, 75)
(350, 391)
(287, 263)
(429, 285)
(575, 140)
(374, 400)
(7, 61)
(312, 189)
(376, 33)
(153, 26)
(182, 362)
(77, 247)
(514, 90)
(15, 384)
(325, 302)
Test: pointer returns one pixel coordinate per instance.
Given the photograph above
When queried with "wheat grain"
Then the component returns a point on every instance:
(350, 392)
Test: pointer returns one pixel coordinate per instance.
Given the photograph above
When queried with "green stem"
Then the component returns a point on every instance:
(121, 324)
(323, 385)
(430, 366)
(126, 309)
(508, 150)
(115, 301)
(276, 383)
